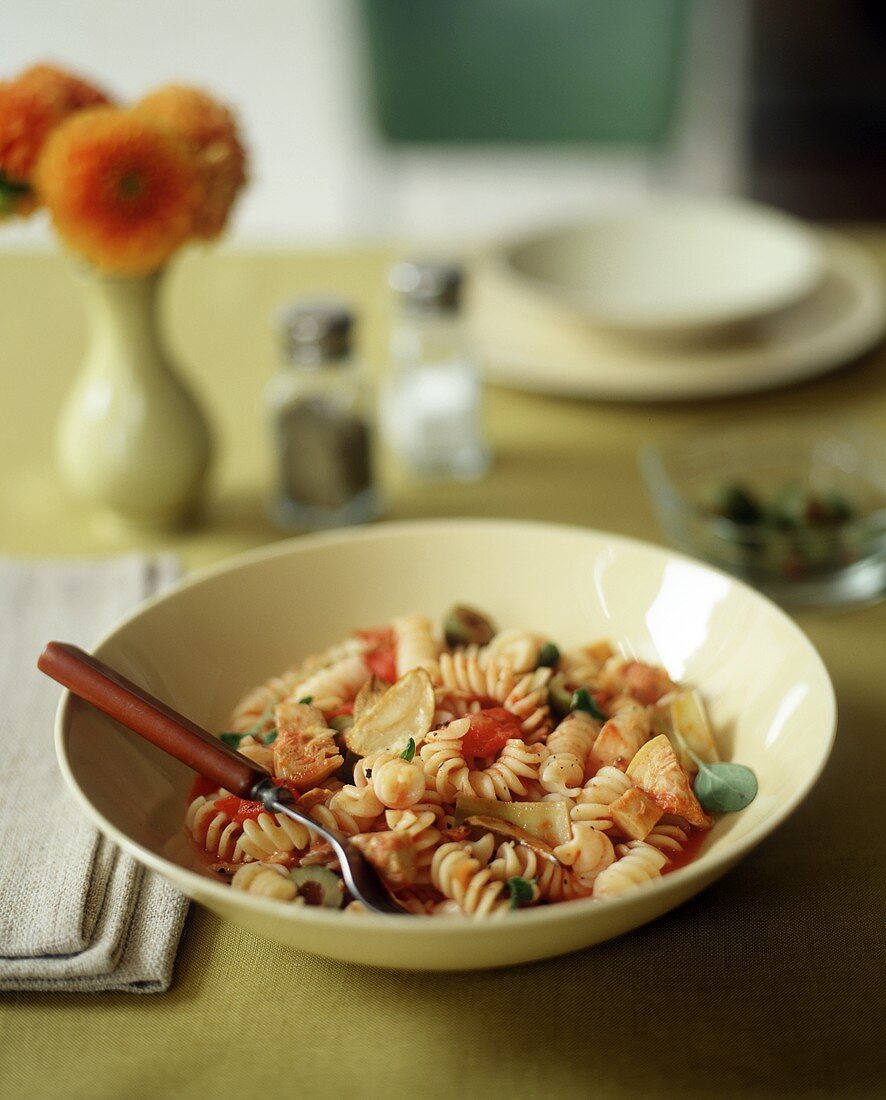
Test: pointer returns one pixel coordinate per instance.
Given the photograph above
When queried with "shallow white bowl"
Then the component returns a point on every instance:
(674, 267)
(202, 645)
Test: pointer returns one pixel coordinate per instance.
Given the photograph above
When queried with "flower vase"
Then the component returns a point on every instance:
(132, 439)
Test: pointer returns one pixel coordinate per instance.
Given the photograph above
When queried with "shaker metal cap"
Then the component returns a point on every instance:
(428, 285)
(316, 331)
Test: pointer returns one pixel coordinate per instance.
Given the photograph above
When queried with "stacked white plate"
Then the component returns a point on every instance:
(676, 300)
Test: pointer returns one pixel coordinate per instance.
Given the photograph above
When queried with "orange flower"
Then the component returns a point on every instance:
(121, 189)
(211, 132)
(30, 107)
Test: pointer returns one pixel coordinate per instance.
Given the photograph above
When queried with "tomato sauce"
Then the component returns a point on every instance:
(690, 850)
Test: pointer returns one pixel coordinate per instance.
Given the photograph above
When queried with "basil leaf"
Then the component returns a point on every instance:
(548, 655)
(409, 752)
(308, 699)
(521, 890)
(724, 788)
(583, 700)
(720, 788)
(269, 738)
(232, 740)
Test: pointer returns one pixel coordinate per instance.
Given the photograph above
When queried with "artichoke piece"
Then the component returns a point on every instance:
(689, 718)
(318, 886)
(685, 712)
(547, 821)
(467, 626)
(506, 831)
(369, 694)
(656, 770)
(406, 709)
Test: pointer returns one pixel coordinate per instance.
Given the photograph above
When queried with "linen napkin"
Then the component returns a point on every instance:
(76, 913)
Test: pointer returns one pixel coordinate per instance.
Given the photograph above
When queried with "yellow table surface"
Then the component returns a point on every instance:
(766, 984)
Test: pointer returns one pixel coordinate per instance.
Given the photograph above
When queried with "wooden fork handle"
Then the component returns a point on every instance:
(89, 678)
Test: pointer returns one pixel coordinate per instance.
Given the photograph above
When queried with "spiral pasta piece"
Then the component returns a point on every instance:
(638, 862)
(255, 711)
(335, 813)
(424, 837)
(623, 735)
(268, 880)
(444, 763)
(210, 828)
(458, 874)
(241, 841)
(258, 753)
(597, 795)
(569, 744)
(270, 834)
(553, 881)
(330, 687)
(518, 649)
(589, 852)
(462, 671)
(398, 784)
(669, 839)
(528, 701)
(415, 645)
(452, 703)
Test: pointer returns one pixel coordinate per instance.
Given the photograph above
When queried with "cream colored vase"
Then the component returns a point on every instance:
(132, 439)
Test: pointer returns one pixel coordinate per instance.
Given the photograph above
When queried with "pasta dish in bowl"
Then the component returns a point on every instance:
(529, 790)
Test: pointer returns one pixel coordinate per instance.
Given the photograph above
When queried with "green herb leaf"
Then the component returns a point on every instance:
(725, 788)
(583, 700)
(232, 740)
(548, 655)
(521, 890)
(270, 737)
(721, 788)
(308, 699)
(409, 752)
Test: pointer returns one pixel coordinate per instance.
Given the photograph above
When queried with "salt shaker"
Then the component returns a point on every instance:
(319, 409)
(432, 407)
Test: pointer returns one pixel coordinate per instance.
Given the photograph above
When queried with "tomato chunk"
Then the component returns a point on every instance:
(381, 655)
(239, 809)
(382, 662)
(490, 729)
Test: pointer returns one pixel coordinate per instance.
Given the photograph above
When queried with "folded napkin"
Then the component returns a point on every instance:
(76, 913)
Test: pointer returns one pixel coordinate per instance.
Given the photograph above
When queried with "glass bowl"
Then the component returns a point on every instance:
(767, 502)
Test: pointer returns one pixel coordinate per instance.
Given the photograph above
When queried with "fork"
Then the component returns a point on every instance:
(101, 686)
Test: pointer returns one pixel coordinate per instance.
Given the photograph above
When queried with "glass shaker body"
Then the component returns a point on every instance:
(320, 411)
(433, 406)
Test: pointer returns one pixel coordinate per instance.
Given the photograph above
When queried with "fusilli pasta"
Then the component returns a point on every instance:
(490, 805)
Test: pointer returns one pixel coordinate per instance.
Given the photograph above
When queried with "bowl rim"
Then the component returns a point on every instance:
(750, 307)
(706, 866)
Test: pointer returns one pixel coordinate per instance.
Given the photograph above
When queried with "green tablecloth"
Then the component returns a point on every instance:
(769, 983)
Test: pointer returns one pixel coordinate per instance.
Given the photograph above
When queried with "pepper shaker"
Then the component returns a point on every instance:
(319, 409)
(433, 402)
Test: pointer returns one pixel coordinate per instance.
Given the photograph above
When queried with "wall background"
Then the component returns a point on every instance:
(295, 72)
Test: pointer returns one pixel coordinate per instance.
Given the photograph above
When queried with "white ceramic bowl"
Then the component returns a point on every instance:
(673, 267)
(202, 645)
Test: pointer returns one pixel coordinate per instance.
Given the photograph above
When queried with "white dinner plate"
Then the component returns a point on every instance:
(673, 266)
(532, 342)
